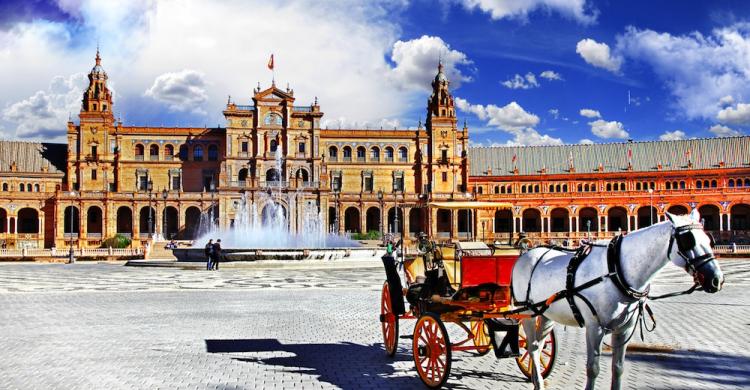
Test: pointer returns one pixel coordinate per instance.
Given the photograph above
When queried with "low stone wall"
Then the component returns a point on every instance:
(234, 254)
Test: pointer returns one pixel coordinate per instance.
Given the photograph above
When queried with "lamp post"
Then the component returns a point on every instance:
(164, 194)
(651, 205)
(214, 219)
(483, 238)
(71, 253)
(588, 228)
(380, 201)
(150, 188)
(336, 195)
(395, 209)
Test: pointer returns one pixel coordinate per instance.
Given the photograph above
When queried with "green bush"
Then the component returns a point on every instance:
(371, 235)
(118, 241)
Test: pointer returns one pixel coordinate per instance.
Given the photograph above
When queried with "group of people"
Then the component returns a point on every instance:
(213, 254)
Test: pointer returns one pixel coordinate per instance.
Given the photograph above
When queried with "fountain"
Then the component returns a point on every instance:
(261, 228)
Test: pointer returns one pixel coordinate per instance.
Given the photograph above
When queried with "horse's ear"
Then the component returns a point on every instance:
(695, 216)
(670, 216)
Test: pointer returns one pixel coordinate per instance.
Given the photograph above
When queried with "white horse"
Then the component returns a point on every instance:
(610, 309)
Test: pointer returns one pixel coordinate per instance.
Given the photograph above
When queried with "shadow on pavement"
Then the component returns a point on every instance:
(346, 365)
(703, 367)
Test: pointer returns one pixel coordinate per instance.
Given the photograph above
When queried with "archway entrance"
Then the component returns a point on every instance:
(125, 221)
(617, 219)
(351, 220)
(373, 219)
(94, 222)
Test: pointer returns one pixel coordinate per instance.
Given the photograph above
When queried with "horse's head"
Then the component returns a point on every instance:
(690, 248)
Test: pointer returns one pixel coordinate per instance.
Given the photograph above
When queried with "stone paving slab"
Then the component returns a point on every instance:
(127, 328)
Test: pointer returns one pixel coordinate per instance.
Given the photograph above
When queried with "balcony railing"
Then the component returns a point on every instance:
(347, 159)
(138, 157)
(302, 109)
(389, 159)
(168, 157)
(360, 159)
(154, 157)
(403, 159)
(276, 184)
(333, 158)
(248, 108)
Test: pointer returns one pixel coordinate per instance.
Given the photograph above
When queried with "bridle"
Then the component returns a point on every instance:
(685, 239)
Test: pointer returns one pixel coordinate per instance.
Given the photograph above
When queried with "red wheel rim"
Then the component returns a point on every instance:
(546, 357)
(431, 350)
(388, 324)
(481, 337)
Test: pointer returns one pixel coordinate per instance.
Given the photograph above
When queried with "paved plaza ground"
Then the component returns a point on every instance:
(106, 326)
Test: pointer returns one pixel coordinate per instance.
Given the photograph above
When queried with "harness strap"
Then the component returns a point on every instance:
(615, 269)
(570, 281)
(526, 302)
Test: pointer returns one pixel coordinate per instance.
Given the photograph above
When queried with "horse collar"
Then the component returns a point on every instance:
(615, 270)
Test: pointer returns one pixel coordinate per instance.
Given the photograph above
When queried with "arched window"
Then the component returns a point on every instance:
(403, 154)
(213, 153)
(28, 187)
(479, 189)
(347, 153)
(139, 151)
(5, 186)
(197, 153)
(388, 153)
(523, 189)
(731, 183)
(183, 152)
(682, 185)
(713, 183)
(510, 189)
(21, 187)
(36, 187)
(153, 152)
(609, 187)
(565, 188)
(375, 153)
(668, 186)
(497, 189)
(272, 119)
(536, 188)
(747, 182)
(333, 153)
(168, 152)
(361, 153)
(274, 145)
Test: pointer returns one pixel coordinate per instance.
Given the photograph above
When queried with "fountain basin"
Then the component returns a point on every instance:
(250, 254)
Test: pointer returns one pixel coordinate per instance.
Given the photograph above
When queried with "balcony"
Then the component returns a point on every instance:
(360, 159)
(333, 159)
(302, 109)
(138, 157)
(403, 159)
(389, 159)
(168, 158)
(154, 157)
(347, 159)
(245, 108)
(92, 157)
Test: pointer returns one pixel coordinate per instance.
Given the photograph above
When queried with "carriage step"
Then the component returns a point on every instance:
(407, 336)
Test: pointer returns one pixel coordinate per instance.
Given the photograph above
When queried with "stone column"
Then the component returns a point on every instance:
(627, 216)
(570, 224)
(454, 224)
(363, 219)
(405, 223)
(721, 222)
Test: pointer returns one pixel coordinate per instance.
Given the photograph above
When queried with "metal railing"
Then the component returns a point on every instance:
(63, 252)
(728, 249)
(138, 157)
(333, 158)
(302, 109)
(249, 108)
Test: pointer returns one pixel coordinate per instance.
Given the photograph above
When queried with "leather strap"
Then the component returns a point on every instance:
(615, 269)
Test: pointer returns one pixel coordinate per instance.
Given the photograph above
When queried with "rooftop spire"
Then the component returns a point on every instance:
(98, 59)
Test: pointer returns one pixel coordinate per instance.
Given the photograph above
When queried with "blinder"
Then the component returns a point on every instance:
(685, 239)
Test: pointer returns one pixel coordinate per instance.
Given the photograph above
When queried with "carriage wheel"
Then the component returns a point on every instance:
(432, 350)
(481, 337)
(547, 355)
(388, 322)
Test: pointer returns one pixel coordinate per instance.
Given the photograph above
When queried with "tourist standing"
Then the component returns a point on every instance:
(217, 254)
(209, 251)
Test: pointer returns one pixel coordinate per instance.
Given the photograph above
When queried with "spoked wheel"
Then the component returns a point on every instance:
(388, 322)
(547, 355)
(481, 337)
(432, 350)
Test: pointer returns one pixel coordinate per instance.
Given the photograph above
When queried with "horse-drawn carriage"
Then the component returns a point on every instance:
(466, 284)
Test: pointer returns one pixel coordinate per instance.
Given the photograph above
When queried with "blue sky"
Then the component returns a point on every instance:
(533, 72)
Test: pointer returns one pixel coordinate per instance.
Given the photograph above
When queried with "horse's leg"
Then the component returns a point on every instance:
(619, 346)
(594, 336)
(532, 347)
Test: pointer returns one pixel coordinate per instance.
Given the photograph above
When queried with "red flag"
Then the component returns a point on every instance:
(514, 159)
(630, 155)
(270, 63)
(688, 153)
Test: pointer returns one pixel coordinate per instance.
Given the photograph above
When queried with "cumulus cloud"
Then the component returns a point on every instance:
(181, 91)
(699, 70)
(599, 55)
(45, 113)
(416, 62)
(578, 10)
(352, 51)
(511, 118)
(586, 141)
(672, 135)
(724, 131)
(521, 82)
(738, 115)
(608, 129)
(550, 75)
(726, 101)
(589, 113)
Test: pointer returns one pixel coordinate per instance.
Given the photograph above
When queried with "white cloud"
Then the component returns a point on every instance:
(724, 131)
(699, 70)
(181, 91)
(554, 112)
(550, 75)
(672, 135)
(502, 9)
(45, 113)
(726, 101)
(346, 54)
(521, 82)
(586, 141)
(608, 129)
(416, 63)
(599, 55)
(511, 118)
(739, 115)
(589, 113)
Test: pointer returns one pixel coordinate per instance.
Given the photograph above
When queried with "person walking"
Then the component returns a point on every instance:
(217, 254)
(209, 251)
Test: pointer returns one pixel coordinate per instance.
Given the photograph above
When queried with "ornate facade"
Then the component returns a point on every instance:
(146, 182)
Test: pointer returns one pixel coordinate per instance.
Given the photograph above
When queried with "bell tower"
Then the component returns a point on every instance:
(447, 144)
(90, 153)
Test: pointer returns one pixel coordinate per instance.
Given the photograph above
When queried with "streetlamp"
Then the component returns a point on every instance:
(483, 238)
(71, 253)
(380, 200)
(150, 189)
(651, 205)
(395, 208)
(336, 195)
(164, 194)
